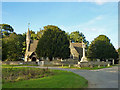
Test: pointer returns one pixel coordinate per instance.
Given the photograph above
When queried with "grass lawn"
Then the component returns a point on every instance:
(58, 79)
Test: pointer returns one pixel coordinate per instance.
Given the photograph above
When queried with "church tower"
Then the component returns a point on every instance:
(27, 44)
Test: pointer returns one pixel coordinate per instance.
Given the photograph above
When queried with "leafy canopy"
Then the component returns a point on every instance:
(78, 37)
(53, 43)
(6, 27)
(12, 47)
(101, 48)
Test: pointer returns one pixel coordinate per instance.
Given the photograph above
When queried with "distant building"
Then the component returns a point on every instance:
(76, 50)
(31, 45)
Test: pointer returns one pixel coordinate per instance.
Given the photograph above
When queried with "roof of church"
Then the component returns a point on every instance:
(33, 45)
(77, 44)
(78, 47)
(29, 53)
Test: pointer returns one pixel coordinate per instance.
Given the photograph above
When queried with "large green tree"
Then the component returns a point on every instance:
(12, 47)
(101, 48)
(76, 36)
(53, 43)
(33, 35)
(39, 34)
(6, 29)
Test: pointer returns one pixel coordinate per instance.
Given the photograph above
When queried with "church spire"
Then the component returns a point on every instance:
(28, 34)
(27, 43)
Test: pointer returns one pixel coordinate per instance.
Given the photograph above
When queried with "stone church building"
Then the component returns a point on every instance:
(31, 45)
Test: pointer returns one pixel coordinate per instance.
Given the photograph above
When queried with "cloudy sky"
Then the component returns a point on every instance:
(91, 18)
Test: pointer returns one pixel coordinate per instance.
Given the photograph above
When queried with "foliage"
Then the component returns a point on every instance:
(4, 49)
(5, 33)
(39, 34)
(102, 49)
(78, 37)
(12, 47)
(33, 35)
(24, 48)
(24, 44)
(68, 36)
(6, 27)
(6, 30)
(53, 43)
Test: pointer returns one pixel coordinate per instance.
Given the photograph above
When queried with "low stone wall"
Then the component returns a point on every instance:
(58, 62)
(47, 62)
(18, 63)
(74, 63)
(69, 61)
(93, 64)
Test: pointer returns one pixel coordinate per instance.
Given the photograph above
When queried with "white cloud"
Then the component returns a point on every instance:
(89, 29)
(94, 20)
(83, 25)
(100, 2)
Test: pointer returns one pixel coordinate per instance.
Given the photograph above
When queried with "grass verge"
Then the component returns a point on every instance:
(58, 79)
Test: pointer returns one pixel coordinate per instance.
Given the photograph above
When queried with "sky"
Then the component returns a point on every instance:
(90, 18)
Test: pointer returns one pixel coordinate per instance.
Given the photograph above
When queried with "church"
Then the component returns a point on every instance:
(31, 45)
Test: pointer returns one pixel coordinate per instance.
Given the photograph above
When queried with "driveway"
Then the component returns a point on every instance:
(102, 78)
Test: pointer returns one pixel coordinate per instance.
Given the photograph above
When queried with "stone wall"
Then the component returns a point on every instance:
(17, 63)
(57, 62)
(93, 64)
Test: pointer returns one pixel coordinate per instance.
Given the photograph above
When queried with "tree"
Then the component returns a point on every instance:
(6, 27)
(39, 34)
(78, 37)
(12, 47)
(4, 49)
(101, 48)
(53, 43)
(68, 36)
(33, 35)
